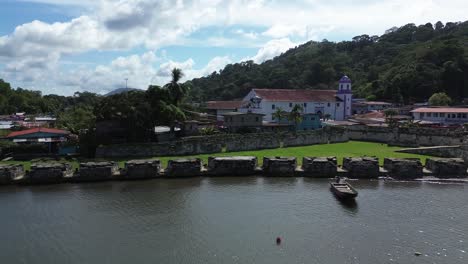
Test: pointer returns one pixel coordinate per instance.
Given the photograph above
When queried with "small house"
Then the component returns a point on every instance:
(49, 136)
(237, 121)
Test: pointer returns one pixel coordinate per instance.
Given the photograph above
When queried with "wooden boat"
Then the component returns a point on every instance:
(343, 190)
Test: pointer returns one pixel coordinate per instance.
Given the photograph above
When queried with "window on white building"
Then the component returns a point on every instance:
(459, 115)
(305, 104)
(429, 114)
(421, 115)
(464, 115)
(436, 114)
(338, 104)
(290, 104)
(328, 104)
(442, 115)
(273, 106)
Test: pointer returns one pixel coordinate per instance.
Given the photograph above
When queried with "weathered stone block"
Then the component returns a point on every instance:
(408, 168)
(142, 169)
(447, 167)
(363, 167)
(49, 172)
(279, 166)
(232, 166)
(320, 167)
(98, 171)
(184, 168)
(9, 172)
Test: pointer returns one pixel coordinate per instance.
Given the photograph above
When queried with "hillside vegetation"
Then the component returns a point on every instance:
(404, 65)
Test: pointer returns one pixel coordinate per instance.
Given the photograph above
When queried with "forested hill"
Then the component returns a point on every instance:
(406, 64)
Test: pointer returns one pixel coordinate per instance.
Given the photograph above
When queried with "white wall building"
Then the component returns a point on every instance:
(336, 103)
(444, 115)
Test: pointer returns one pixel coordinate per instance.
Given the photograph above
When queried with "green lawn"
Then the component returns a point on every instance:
(340, 150)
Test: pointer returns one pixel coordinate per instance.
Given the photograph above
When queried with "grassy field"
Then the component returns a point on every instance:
(340, 150)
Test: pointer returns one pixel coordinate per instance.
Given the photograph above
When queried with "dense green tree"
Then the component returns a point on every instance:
(439, 99)
(407, 64)
(77, 119)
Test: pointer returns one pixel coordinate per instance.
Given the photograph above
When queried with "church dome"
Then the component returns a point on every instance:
(345, 79)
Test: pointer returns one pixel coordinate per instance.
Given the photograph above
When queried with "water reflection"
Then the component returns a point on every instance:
(280, 181)
(243, 181)
(396, 184)
(366, 184)
(349, 205)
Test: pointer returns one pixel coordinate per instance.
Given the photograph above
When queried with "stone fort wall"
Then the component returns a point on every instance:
(407, 137)
(227, 142)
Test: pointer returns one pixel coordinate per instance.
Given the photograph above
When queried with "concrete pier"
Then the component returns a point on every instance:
(142, 169)
(279, 166)
(97, 171)
(8, 173)
(448, 167)
(232, 166)
(363, 167)
(184, 168)
(319, 167)
(42, 173)
(409, 168)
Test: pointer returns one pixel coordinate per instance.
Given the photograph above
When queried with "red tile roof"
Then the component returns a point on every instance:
(223, 105)
(37, 130)
(440, 110)
(292, 95)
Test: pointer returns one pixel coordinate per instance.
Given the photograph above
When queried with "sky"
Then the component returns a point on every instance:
(65, 46)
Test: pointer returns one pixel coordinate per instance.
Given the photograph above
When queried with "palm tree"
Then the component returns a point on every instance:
(296, 114)
(389, 114)
(278, 114)
(177, 91)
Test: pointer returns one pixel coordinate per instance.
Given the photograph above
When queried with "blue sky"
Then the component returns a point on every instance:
(63, 46)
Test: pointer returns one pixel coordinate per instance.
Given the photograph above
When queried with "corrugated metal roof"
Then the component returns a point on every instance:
(37, 130)
(440, 110)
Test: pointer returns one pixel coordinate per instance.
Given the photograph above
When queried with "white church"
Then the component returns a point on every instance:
(335, 103)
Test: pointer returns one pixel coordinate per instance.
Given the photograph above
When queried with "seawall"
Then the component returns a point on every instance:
(315, 167)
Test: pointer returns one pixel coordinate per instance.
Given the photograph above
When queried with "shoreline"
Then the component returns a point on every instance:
(405, 169)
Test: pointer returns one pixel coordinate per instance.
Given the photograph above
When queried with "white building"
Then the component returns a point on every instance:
(335, 103)
(444, 115)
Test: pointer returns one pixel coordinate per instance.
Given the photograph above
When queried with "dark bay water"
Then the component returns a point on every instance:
(233, 220)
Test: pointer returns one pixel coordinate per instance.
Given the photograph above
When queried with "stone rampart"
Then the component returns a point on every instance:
(279, 166)
(98, 171)
(409, 168)
(320, 167)
(9, 172)
(184, 168)
(362, 167)
(49, 172)
(446, 168)
(142, 169)
(232, 166)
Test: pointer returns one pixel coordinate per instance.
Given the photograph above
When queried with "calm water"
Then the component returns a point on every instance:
(229, 220)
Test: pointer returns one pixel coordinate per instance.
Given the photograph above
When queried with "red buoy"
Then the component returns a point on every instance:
(278, 240)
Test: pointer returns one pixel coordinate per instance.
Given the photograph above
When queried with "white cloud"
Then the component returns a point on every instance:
(272, 49)
(33, 49)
